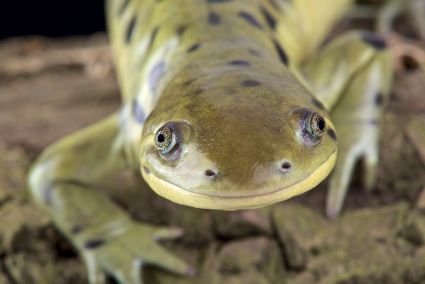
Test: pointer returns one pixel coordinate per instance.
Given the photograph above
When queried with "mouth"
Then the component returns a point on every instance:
(189, 198)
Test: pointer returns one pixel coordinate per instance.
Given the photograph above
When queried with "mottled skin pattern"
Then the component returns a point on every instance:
(247, 95)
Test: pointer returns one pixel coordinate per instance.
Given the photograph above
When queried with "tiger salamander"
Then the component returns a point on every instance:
(226, 104)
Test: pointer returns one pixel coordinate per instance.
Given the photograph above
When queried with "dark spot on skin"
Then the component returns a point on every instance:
(282, 54)
(76, 230)
(241, 63)
(138, 112)
(94, 244)
(250, 19)
(123, 7)
(269, 18)
(213, 18)
(156, 74)
(210, 173)
(130, 29)
(274, 4)
(374, 122)
(189, 82)
(378, 99)
(374, 40)
(254, 52)
(180, 30)
(332, 134)
(318, 104)
(250, 83)
(47, 196)
(194, 47)
(153, 37)
(147, 170)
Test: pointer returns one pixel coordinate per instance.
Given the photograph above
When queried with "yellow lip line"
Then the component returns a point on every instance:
(189, 198)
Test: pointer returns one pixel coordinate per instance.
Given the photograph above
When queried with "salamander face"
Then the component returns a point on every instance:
(237, 147)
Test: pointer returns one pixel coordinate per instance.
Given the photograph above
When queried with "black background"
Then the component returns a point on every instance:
(52, 18)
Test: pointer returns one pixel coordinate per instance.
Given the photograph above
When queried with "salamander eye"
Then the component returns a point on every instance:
(167, 141)
(315, 124)
(314, 128)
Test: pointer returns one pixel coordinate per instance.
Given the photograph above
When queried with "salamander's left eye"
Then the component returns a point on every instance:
(167, 141)
(315, 124)
(314, 127)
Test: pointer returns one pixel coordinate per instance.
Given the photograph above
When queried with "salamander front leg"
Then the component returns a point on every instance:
(357, 118)
(352, 76)
(67, 181)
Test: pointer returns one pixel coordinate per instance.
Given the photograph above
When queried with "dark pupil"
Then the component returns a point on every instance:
(161, 138)
(321, 124)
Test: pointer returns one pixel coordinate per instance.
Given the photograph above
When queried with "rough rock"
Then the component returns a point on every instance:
(372, 245)
(231, 225)
(416, 132)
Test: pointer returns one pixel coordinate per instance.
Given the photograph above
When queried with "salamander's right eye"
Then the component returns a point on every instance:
(314, 127)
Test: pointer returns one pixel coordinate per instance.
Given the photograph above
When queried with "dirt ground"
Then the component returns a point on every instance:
(49, 88)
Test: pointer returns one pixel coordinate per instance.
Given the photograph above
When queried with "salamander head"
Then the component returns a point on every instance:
(208, 145)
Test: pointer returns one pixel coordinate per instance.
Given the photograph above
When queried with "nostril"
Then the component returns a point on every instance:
(285, 166)
(210, 173)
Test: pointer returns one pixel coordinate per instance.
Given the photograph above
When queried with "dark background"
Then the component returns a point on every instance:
(52, 18)
(55, 18)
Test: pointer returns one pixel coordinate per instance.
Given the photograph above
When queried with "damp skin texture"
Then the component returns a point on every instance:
(226, 105)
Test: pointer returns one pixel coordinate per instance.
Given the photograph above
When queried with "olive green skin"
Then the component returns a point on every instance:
(243, 133)
(239, 81)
